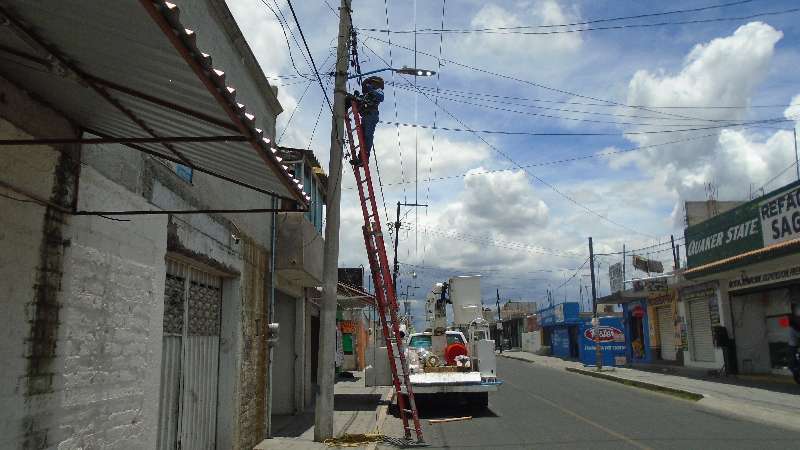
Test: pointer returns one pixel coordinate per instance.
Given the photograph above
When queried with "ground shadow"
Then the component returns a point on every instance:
(433, 409)
(292, 425)
(356, 402)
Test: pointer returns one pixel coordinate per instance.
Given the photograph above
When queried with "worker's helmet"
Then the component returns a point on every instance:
(373, 81)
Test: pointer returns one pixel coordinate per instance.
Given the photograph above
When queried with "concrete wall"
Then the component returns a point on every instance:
(82, 309)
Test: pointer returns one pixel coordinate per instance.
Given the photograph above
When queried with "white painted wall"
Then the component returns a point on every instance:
(20, 244)
(111, 322)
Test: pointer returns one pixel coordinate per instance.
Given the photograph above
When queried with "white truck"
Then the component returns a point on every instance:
(446, 364)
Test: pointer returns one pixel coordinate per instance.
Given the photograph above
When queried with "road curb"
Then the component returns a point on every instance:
(516, 357)
(686, 395)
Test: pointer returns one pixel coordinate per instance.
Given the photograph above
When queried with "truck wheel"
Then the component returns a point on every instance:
(480, 401)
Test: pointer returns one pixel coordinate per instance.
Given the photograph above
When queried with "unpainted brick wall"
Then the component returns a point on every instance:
(253, 372)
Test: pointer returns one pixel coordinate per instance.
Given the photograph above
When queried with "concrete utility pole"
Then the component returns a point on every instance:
(597, 352)
(323, 413)
(499, 325)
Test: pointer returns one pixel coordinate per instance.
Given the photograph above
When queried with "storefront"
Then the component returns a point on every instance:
(561, 329)
(751, 254)
(761, 301)
(650, 319)
(664, 331)
(637, 323)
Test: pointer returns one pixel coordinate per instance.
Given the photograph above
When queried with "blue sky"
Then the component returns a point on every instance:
(518, 232)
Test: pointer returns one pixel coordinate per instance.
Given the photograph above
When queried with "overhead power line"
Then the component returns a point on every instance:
(531, 83)
(554, 133)
(281, 19)
(619, 27)
(310, 55)
(493, 242)
(562, 161)
(478, 95)
(573, 24)
(532, 175)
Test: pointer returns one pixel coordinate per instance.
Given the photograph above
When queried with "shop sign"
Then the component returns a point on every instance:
(650, 285)
(638, 311)
(745, 281)
(558, 312)
(769, 219)
(615, 277)
(647, 265)
(660, 301)
(606, 334)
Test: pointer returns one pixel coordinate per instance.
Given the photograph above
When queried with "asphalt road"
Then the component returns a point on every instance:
(540, 407)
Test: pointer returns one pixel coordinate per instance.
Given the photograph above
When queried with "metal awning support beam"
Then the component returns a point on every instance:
(153, 212)
(147, 151)
(120, 140)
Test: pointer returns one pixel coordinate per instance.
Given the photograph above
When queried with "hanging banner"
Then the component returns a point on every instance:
(647, 265)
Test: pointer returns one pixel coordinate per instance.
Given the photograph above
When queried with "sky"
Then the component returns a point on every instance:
(519, 208)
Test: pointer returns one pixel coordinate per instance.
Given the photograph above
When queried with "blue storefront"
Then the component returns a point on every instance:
(637, 323)
(611, 331)
(561, 329)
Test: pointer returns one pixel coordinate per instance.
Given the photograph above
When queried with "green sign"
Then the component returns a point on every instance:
(769, 219)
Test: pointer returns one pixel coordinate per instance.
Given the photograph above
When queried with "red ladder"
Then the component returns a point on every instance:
(381, 276)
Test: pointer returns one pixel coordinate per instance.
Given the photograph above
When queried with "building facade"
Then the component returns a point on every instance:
(139, 266)
(744, 281)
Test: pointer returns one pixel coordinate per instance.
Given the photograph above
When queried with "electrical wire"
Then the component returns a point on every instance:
(532, 175)
(300, 100)
(433, 135)
(586, 22)
(477, 95)
(467, 129)
(285, 35)
(532, 83)
(627, 26)
(310, 55)
(458, 99)
(494, 242)
(565, 160)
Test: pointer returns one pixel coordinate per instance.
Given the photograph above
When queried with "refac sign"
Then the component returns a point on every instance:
(606, 334)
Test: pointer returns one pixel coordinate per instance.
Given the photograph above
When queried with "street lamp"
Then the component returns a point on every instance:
(417, 72)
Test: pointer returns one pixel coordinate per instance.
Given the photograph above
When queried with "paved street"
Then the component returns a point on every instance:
(541, 407)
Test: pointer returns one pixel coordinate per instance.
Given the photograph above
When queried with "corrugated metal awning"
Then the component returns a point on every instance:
(131, 69)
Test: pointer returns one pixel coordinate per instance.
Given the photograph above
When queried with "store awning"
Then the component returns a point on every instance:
(350, 297)
(130, 71)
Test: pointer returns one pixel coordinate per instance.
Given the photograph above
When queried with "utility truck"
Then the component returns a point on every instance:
(448, 364)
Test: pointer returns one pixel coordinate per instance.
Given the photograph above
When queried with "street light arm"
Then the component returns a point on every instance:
(405, 71)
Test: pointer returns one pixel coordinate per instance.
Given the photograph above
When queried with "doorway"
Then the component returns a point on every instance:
(189, 358)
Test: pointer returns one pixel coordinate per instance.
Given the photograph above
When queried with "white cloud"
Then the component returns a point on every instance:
(542, 56)
(724, 71)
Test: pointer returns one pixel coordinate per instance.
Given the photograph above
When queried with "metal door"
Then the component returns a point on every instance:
(666, 333)
(190, 359)
(700, 333)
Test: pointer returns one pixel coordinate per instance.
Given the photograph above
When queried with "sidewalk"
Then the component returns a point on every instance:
(357, 410)
(730, 398)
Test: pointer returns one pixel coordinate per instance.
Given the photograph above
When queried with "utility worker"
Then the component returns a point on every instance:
(368, 107)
